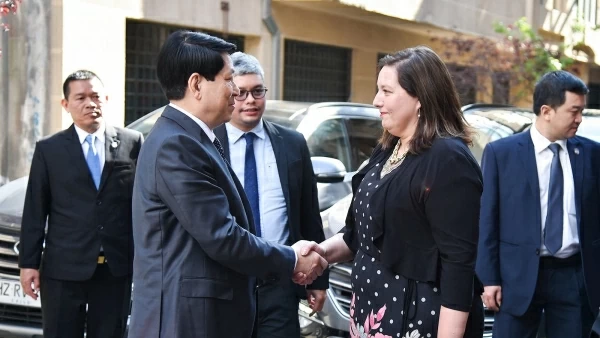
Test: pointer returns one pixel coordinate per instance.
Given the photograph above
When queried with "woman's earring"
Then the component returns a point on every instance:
(419, 113)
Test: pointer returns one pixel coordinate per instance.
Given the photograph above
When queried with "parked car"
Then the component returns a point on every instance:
(491, 122)
(340, 137)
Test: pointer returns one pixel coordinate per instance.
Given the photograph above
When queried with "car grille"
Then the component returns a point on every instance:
(339, 284)
(9, 258)
(20, 315)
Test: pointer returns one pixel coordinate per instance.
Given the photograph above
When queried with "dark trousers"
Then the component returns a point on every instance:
(277, 315)
(560, 294)
(105, 297)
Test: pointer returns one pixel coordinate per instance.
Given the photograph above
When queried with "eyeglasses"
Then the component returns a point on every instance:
(257, 93)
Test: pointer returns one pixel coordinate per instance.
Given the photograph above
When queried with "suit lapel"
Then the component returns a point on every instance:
(576, 156)
(527, 154)
(245, 202)
(280, 158)
(528, 157)
(111, 147)
(221, 134)
(75, 151)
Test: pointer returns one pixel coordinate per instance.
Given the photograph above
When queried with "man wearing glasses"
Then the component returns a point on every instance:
(273, 164)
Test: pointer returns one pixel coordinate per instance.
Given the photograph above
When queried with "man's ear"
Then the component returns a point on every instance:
(545, 111)
(195, 83)
(64, 103)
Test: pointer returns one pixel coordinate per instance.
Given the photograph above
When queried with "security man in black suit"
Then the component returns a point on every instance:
(76, 247)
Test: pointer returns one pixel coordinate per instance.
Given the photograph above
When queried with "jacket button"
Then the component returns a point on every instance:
(537, 252)
(100, 227)
(98, 202)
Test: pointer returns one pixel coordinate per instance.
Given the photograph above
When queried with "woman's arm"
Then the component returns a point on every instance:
(452, 323)
(336, 250)
(452, 203)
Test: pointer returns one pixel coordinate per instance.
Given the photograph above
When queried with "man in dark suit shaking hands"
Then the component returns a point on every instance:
(196, 255)
(274, 165)
(80, 186)
(539, 242)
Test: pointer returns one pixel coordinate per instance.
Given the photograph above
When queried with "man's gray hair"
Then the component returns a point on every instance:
(244, 64)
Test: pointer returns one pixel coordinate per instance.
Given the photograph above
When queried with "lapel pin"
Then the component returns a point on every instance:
(114, 144)
(576, 150)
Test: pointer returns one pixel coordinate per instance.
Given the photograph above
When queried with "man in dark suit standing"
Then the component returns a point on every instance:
(80, 185)
(196, 257)
(274, 166)
(539, 240)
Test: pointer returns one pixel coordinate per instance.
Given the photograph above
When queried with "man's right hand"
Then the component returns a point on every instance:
(30, 281)
(492, 297)
(309, 266)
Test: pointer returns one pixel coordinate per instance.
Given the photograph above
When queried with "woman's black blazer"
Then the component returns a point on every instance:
(426, 218)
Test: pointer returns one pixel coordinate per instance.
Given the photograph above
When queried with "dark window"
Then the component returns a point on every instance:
(363, 134)
(465, 81)
(329, 140)
(593, 99)
(381, 56)
(501, 87)
(142, 44)
(316, 73)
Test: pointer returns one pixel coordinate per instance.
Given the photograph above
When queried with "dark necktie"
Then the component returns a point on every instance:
(251, 180)
(554, 218)
(220, 149)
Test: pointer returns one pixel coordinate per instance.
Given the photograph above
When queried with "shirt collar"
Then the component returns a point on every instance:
(541, 143)
(236, 134)
(82, 134)
(202, 125)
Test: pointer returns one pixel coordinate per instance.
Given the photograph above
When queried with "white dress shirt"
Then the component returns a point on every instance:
(202, 125)
(98, 138)
(543, 159)
(273, 210)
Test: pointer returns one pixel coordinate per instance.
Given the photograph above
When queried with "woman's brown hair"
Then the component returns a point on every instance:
(424, 75)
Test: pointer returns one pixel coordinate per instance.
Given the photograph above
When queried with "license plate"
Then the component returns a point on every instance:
(12, 293)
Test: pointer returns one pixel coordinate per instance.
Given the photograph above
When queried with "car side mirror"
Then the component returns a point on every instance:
(328, 170)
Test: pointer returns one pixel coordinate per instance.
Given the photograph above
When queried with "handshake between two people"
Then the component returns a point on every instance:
(311, 262)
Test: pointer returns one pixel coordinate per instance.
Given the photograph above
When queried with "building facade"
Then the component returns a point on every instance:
(317, 50)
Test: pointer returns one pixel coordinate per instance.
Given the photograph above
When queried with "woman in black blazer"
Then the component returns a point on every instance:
(412, 228)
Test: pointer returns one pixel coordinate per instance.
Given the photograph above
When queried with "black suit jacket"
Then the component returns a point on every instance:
(195, 256)
(80, 218)
(299, 187)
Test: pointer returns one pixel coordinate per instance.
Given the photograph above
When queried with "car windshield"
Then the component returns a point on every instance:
(12, 197)
(590, 128)
(288, 114)
(516, 120)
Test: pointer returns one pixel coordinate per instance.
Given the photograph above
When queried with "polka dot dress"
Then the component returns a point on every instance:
(385, 304)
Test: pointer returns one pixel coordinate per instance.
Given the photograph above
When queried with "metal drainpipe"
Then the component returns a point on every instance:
(5, 109)
(269, 21)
